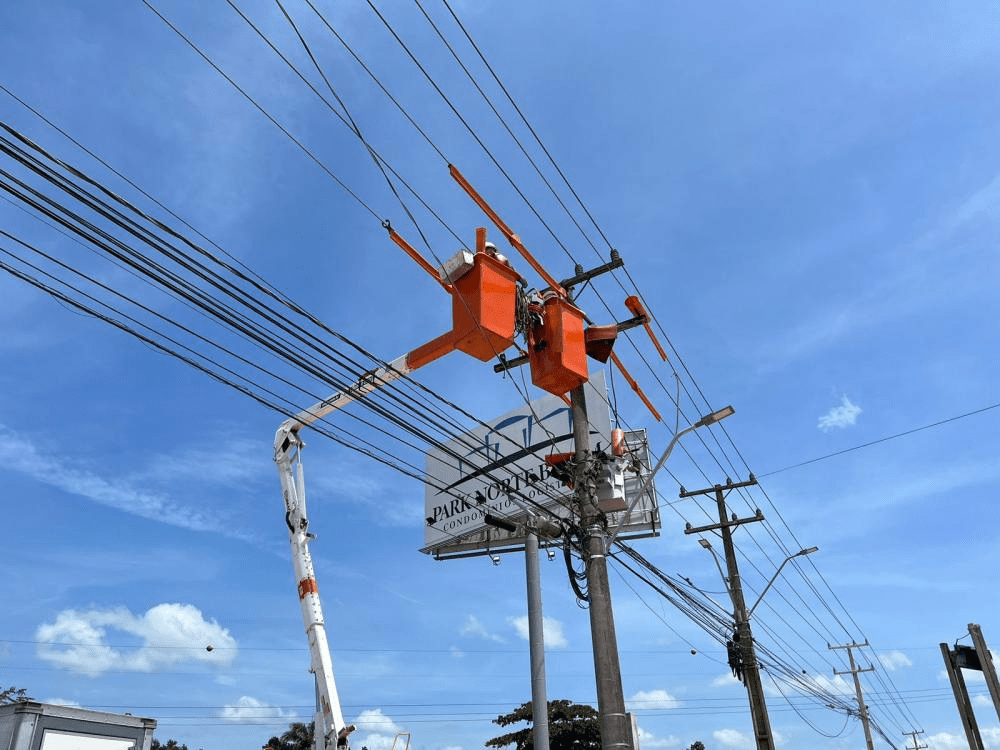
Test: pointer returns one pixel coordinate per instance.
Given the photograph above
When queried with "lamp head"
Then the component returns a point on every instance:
(716, 416)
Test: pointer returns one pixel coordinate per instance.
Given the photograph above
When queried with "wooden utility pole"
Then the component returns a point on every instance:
(986, 664)
(616, 733)
(854, 672)
(953, 663)
(743, 638)
(913, 735)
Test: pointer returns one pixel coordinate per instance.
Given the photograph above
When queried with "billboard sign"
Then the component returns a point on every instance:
(500, 467)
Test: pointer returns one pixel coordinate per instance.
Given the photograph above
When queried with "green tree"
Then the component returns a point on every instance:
(697, 745)
(298, 737)
(171, 745)
(13, 695)
(572, 726)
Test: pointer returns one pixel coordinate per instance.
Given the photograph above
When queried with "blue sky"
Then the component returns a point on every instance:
(806, 197)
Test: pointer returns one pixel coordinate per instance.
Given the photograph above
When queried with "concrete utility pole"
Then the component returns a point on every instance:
(616, 733)
(536, 639)
(854, 671)
(913, 736)
(742, 635)
(986, 664)
(953, 663)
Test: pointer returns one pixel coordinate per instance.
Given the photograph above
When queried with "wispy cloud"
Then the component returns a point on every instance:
(380, 727)
(739, 741)
(725, 680)
(169, 634)
(731, 738)
(648, 739)
(19, 453)
(840, 417)
(893, 660)
(248, 710)
(653, 699)
(552, 630)
(474, 627)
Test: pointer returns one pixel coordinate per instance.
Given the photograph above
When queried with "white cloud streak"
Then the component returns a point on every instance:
(552, 631)
(840, 417)
(732, 738)
(169, 634)
(645, 699)
(893, 660)
(650, 740)
(380, 727)
(19, 454)
(473, 627)
(249, 710)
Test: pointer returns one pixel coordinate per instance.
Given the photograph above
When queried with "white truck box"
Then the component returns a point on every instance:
(40, 726)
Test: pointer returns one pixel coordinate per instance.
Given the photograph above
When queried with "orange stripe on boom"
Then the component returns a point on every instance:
(307, 586)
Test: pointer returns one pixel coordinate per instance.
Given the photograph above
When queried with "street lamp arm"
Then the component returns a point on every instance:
(708, 419)
(649, 480)
(800, 553)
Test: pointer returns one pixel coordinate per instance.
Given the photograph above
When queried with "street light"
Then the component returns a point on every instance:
(708, 419)
(800, 553)
(707, 545)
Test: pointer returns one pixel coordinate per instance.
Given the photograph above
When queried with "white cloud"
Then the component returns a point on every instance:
(228, 460)
(381, 730)
(169, 634)
(63, 702)
(650, 740)
(835, 684)
(249, 710)
(19, 454)
(732, 738)
(653, 699)
(840, 417)
(725, 680)
(457, 653)
(946, 741)
(474, 627)
(552, 630)
(893, 660)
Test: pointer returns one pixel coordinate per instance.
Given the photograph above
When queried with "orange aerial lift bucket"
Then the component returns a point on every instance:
(558, 352)
(483, 306)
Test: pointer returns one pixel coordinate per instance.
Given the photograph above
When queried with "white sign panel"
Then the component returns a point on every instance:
(497, 468)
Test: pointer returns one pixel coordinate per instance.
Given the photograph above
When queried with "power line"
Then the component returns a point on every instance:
(884, 439)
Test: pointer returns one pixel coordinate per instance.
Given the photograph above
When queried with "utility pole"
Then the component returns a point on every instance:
(742, 635)
(536, 639)
(986, 664)
(854, 671)
(953, 662)
(616, 733)
(913, 735)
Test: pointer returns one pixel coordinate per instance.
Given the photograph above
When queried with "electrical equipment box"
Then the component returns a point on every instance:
(483, 307)
(611, 486)
(558, 354)
(27, 725)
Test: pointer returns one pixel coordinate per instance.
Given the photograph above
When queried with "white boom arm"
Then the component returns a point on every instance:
(330, 729)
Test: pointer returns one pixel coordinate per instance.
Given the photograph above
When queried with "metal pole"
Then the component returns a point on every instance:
(751, 672)
(615, 730)
(536, 641)
(986, 664)
(965, 711)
